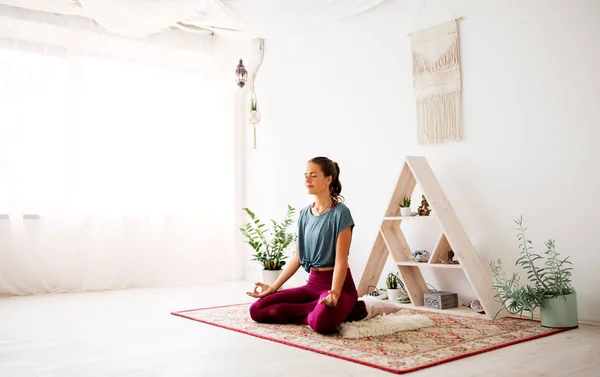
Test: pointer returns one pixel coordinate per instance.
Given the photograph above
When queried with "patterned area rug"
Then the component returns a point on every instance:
(453, 337)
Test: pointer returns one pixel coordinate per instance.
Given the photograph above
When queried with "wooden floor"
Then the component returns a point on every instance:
(131, 333)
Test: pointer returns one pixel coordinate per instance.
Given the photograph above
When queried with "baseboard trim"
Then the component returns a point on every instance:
(537, 317)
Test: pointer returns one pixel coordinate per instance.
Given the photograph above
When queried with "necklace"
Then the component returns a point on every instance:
(323, 210)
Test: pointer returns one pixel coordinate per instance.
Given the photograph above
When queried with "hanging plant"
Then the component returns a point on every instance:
(254, 116)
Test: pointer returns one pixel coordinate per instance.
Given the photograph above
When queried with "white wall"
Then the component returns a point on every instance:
(232, 102)
(531, 118)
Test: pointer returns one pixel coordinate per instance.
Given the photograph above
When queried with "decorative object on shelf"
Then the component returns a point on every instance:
(475, 305)
(550, 288)
(431, 288)
(423, 209)
(405, 210)
(451, 258)
(441, 300)
(269, 252)
(254, 116)
(378, 293)
(437, 82)
(420, 255)
(395, 287)
(241, 75)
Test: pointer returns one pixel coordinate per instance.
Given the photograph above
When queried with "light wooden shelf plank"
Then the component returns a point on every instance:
(396, 243)
(375, 264)
(404, 187)
(434, 265)
(415, 285)
(441, 250)
(402, 218)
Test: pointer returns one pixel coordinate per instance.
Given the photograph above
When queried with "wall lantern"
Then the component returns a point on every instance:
(241, 75)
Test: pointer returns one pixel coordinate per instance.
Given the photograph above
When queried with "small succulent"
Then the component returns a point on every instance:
(405, 202)
(393, 280)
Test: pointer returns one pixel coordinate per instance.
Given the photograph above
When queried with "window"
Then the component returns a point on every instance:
(94, 134)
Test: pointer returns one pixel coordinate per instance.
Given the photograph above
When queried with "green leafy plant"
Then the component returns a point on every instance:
(552, 280)
(393, 281)
(269, 246)
(253, 104)
(405, 203)
(515, 298)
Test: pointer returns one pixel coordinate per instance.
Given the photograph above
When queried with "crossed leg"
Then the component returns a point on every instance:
(301, 305)
(325, 319)
(286, 306)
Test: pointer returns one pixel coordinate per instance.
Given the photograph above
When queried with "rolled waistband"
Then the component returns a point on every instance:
(325, 276)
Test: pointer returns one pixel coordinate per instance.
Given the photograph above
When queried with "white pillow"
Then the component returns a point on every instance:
(376, 306)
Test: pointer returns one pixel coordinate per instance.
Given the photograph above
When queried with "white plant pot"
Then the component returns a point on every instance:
(405, 211)
(393, 294)
(269, 276)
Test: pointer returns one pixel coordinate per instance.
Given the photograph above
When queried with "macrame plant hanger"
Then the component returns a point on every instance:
(254, 116)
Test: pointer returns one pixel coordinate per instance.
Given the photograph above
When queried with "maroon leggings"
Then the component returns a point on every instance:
(301, 305)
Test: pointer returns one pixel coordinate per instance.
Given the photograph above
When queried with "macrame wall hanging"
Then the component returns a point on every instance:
(437, 82)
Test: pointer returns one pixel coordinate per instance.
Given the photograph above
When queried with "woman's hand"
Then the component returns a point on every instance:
(331, 299)
(265, 290)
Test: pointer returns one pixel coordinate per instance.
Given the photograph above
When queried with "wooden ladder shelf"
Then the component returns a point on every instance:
(390, 240)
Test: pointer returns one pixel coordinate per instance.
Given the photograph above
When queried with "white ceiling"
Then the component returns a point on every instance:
(140, 18)
(227, 18)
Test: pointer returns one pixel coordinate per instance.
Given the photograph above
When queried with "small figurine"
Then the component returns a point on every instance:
(424, 207)
(451, 258)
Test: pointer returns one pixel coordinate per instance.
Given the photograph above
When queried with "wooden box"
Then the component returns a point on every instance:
(441, 300)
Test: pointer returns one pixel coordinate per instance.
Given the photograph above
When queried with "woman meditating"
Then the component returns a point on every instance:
(324, 236)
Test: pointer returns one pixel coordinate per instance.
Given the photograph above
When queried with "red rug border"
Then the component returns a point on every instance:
(391, 370)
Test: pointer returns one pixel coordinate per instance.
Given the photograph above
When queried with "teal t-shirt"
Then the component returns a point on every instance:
(317, 235)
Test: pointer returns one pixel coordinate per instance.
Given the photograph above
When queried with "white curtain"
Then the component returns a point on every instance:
(113, 173)
(272, 18)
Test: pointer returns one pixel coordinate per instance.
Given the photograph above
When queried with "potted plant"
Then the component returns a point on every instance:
(405, 210)
(550, 290)
(395, 287)
(254, 116)
(269, 246)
